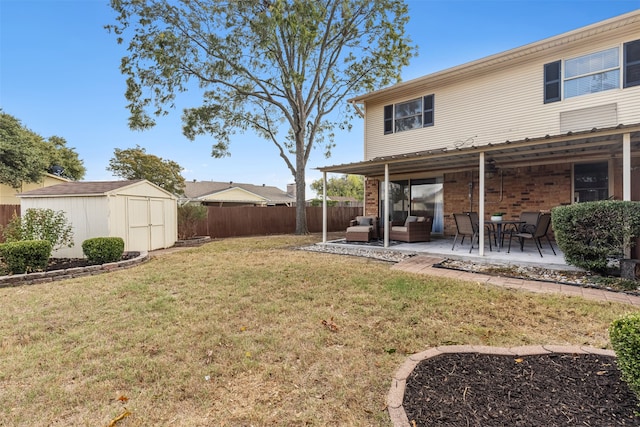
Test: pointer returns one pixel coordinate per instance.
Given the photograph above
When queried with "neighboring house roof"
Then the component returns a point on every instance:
(232, 192)
(85, 188)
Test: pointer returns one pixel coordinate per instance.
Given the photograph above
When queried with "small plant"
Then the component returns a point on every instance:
(497, 214)
(625, 339)
(40, 224)
(189, 215)
(25, 256)
(101, 250)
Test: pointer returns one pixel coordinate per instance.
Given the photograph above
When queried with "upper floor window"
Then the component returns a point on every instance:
(408, 115)
(592, 73)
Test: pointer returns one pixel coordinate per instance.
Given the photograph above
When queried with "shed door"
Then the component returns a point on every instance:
(156, 225)
(146, 223)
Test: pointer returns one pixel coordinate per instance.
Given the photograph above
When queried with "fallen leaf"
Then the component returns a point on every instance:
(330, 325)
(123, 399)
(120, 417)
(519, 360)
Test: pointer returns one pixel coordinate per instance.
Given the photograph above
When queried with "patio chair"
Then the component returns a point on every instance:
(362, 229)
(475, 220)
(530, 220)
(415, 229)
(541, 229)
(466, 227)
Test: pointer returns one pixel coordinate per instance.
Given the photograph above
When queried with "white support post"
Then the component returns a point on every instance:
(386, 205)
(481, 207)
(626, 166)
(324, 207)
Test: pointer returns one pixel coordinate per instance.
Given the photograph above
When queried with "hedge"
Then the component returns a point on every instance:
(101, 250)
(26, 256)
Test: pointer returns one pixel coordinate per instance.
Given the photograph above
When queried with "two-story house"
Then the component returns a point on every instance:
(550, 123)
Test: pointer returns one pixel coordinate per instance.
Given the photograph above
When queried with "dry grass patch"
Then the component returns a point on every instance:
(251, 332)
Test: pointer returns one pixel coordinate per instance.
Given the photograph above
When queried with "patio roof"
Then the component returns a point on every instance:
(547, 149)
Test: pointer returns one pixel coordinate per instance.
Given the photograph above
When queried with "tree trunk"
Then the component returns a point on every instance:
(301, 208)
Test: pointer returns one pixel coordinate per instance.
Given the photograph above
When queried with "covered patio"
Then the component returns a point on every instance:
(618, 146)
(441, 247)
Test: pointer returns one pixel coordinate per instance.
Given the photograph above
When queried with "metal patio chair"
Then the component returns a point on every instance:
(540, 231)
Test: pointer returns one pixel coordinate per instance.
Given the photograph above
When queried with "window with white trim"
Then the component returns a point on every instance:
(596, 72)
(413, 114)
(592, 73)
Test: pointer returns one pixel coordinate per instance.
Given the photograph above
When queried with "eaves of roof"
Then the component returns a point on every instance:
(497, 60)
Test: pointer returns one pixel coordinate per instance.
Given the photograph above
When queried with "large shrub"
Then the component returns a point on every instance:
(100, 250)
(25, 256)
(189, 215)
(592, 233)
(40, 224)
(625, 339)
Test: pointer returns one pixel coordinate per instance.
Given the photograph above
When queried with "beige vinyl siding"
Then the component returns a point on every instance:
(88, 217)
(503, 102)
(234, 195)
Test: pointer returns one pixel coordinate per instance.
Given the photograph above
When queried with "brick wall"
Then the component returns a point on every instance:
(517, 190)
(371, 187)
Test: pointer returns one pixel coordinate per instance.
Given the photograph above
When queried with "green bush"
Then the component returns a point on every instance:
(592, 233)
(625, 339)
(189, 216)
(26, 256)
(40, 224)
(101, 250)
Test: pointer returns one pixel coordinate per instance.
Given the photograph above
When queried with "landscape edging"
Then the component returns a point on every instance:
(70, 273)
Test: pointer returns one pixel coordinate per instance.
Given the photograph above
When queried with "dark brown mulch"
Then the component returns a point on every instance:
(64, 263)
(470, 389)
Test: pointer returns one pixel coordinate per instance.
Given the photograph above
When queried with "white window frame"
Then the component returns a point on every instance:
(589, 72)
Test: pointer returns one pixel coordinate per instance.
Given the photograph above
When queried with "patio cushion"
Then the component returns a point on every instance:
(359, 228)
(410, 218)
(364, 220)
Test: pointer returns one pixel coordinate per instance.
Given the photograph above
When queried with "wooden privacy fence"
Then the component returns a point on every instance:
(260, 221)
(6, 213)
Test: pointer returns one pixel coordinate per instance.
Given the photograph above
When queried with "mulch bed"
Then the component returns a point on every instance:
(64, 263)
(470, 389)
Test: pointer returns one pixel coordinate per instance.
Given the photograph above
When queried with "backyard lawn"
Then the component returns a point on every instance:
(250, 331)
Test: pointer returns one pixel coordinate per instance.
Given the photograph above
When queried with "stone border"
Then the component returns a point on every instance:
(70, 273)
(398, 383)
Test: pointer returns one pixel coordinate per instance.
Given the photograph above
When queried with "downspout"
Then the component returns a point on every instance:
(358, 110)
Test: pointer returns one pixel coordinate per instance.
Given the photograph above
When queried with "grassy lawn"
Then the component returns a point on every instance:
(250, 331)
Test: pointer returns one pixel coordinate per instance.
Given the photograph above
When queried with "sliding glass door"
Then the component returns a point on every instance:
(419, 197)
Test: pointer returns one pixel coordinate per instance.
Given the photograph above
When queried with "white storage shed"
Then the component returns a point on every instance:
(140, 212)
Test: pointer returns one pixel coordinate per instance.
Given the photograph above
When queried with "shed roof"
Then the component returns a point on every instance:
(82, 188)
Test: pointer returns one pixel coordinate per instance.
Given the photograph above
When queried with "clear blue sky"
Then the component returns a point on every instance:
(59, 75)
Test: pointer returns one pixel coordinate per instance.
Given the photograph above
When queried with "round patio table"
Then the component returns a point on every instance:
(499, 224)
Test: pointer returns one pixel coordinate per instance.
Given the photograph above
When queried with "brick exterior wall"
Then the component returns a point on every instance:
(535, 188)
(515, 190)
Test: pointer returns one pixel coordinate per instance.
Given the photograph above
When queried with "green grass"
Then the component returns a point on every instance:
(232, 333)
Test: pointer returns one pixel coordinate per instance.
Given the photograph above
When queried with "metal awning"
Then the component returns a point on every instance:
(572, 146)
(622, 141)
